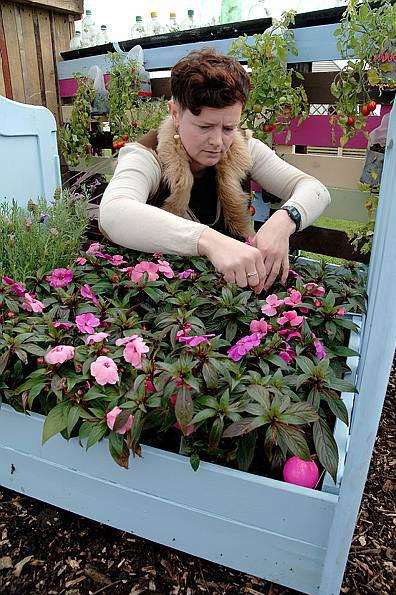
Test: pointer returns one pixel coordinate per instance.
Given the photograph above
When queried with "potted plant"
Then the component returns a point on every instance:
(366, 32)
(274, 99)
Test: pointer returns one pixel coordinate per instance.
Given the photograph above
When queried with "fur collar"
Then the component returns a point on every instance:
(230, 171)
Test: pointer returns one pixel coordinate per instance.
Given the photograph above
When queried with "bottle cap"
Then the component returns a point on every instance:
(172, 15)
(190, 13)
(103, 27)
(88, 12)
(154, 14)
(139, 19)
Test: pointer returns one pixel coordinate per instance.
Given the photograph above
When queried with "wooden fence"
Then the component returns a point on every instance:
(33, 33)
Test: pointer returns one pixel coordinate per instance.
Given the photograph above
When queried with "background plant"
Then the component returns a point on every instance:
(364, 33)
(187, 383)
(43, 235)
(274, 100)
(74, 140)
(123, 89)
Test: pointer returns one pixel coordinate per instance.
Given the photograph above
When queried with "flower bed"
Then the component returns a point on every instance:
(155, 351)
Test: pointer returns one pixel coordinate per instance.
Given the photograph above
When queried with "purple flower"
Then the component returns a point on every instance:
(60, 277)
(196, 340)
(87, 293)
(186, 274)
(319, 348)
(243, 346)
(14, 286)
(62, 324)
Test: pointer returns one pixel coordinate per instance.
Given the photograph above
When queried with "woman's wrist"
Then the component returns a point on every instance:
(206, 241)
(283, 217)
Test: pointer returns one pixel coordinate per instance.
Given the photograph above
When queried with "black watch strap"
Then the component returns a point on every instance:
(294, 215)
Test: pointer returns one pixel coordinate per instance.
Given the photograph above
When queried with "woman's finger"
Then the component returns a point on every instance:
(285, 269)
(229, 276)
(273, 273)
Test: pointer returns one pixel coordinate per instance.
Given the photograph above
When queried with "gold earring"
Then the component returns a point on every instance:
(176, 136)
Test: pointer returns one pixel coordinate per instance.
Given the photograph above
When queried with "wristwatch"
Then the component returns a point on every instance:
(294, 215)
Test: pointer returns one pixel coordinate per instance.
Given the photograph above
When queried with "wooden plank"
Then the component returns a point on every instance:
(49, 69)
(37, 40)
(336, 172)
(5, 75)
(13, 51)
(74, 7)
(33, 90)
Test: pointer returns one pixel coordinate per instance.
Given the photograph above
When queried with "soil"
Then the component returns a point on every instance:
(47, 551)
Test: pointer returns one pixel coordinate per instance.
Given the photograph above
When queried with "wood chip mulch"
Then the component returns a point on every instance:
(47, 551)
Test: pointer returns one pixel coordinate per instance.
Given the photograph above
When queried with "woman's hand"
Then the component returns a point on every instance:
(238, 262)
(272, 240)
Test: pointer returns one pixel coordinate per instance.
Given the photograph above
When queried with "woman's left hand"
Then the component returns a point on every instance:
(272, 239)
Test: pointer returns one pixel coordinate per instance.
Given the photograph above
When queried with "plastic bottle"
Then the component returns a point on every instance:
(231, 11)
(88, 36)
(155, 26)
(258, 10)
(138, 29)
(189, 22)
(172, 23)
(75, 43)
(103, 36)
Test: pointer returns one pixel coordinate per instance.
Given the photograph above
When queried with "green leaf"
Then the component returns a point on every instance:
(4, 361)
(294, 440)
(345, 323)
(344, 351)
(326, 447)
(154, 294)
(34, 349)
(245, 451)
(116, 443)
(210, 375)
(72, 418)
(299, 414)
(96, 434)
(56, 421)
(231, 330)
(202, 415)
(216, 432)
(260, 394)
(337, 406)
(341, 385)
(184, 407)
(306, 365)
(194, 461)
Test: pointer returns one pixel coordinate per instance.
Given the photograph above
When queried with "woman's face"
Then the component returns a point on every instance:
(208, 136)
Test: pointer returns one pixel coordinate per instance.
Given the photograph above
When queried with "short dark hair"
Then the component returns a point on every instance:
(206, 78)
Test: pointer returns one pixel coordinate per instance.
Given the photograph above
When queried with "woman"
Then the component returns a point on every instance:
(180, 189)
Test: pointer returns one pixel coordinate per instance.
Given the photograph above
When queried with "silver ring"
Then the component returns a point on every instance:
(251, 274)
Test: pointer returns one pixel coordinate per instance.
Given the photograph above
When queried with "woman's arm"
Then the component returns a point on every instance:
(295, 187)
(126, 219)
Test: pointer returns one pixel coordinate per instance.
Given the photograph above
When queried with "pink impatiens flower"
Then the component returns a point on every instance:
(95, 338)
(272, 303)
(86, 323)
(290, 317)
(32, 305)
(319, 348)
(260, 326)
(340, 312)
(165, 268)
(111, 417)
(243, 346)
(195, 340)
(186, 274)
(287, 354)
(104, 370)
(14, 286)
(59, 354)
(293, 299)
(289, 334)
(60, 277)
(137, 272)
(87, 293)
(135, 348)
(184, 331)
(80, 260)
(62, 324)
(94, 248)
(314, 289)
(115, 260)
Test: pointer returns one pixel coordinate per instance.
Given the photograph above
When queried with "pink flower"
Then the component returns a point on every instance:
(260, 326)
(88, 294)
(135, 347)
(319, 348)
(149, 385)
(15, 287)
(95, 338)
(293, 299)
(184, 331)
(137, 272)
(272, 303)
(243, 346)
(341, 312)
(290, 317)
(104, 370)
(289, 334)
(115, 260)
(165, 268)
(314, 289)
(60, 277)
(111, 417)
(196, 340)
(158, 255)
(94, 248)
(186, 274)
(86, 323)
(287, 354)
(189, 430)
(59, 354)
(63, 325)
(303, 310)
(32, 305)
(294, 274)
(80, 261)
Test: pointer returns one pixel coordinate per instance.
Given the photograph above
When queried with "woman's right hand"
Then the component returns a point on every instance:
(235, 260)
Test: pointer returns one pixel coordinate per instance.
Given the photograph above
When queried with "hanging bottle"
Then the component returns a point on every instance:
(172, 23)
(258, 10)
(88, 35)
(231, 11)
(138, 29)
(103, 36)
(155, 25)
(189, 22)
(75, 43)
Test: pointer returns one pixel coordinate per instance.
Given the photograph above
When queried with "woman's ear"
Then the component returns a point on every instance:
(174, 111)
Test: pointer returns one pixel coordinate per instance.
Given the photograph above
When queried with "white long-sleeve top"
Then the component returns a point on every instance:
(128, 221)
